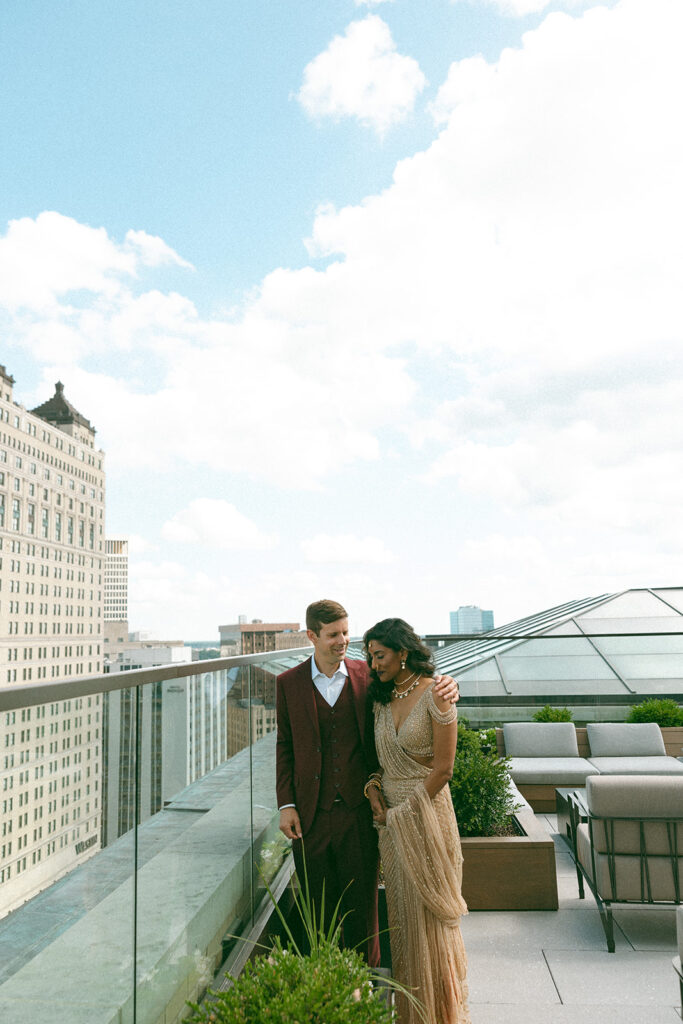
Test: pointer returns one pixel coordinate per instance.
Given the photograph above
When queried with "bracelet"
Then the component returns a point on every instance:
(372, 782)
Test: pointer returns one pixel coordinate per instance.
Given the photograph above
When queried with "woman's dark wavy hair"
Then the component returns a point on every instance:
(397, 635)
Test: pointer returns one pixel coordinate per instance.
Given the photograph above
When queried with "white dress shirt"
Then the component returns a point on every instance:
(329, 687)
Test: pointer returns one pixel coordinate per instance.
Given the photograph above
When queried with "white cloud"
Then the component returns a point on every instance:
(361, 75)
(153, 251)
(346, 548)
(216, 524)
(520, 8)
(52, 256)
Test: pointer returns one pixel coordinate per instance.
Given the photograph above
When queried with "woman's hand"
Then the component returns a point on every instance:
(377, 806)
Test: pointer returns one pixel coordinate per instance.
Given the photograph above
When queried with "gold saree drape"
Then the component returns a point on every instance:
(422, 865)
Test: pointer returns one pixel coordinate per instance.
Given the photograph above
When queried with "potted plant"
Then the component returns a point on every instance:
(509, 860)
(669, 717)
(284, 984)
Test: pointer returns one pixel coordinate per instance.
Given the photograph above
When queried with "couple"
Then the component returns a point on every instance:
(363, 755)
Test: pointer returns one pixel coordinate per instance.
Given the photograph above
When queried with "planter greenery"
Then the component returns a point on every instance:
(550, 714)
(480, 787)
(327, 985)
(509, 859)
(664, 711)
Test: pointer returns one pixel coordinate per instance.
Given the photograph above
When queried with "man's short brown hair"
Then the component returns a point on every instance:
(320, 613)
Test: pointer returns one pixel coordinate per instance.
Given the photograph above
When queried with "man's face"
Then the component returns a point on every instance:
(331, 643)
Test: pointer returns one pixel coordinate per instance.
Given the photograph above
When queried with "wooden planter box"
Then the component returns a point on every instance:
(511, 872)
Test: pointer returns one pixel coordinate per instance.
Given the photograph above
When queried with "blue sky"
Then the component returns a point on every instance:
(376, 301)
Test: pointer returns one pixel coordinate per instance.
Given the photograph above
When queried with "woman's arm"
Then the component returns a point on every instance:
(445, 742)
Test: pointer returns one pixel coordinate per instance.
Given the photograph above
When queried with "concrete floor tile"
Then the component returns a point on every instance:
(648, 928)
(528, 1014)
(511, 978)
(535, 931)
(614, 979)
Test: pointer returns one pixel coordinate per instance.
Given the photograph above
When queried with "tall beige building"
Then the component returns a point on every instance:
(52, 500)
(115, 580)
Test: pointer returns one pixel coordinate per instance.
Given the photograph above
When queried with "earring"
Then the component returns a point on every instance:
(403, 662)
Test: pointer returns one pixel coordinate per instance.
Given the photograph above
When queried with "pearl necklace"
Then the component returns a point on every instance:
(404, 693)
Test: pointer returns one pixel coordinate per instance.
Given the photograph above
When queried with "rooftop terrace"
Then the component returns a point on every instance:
(552, 967)
(132, 921)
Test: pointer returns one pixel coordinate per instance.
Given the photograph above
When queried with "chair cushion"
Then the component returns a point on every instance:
(637, 765)
(679, 930)
(625, 739)
(635, 796)
(552, 771)
(540, 739)
(629, 883)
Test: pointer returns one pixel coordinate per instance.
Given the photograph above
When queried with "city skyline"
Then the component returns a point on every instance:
(374, 301)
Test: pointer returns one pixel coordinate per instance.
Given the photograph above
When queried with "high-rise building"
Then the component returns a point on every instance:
(471, 619)
(115, 580)
(52, 492)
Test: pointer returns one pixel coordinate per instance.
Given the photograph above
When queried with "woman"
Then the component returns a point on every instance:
(415, 736)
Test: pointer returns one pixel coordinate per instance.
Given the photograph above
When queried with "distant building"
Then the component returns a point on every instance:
(471, 619)
(115, 580)
(256, 636)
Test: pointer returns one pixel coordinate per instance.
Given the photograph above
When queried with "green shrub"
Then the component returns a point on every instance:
(663, 711)
(480, 785)
(550, 714)
(330, 986)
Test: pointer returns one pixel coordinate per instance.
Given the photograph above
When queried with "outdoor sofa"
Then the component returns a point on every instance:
(543, 756)
(629, 748)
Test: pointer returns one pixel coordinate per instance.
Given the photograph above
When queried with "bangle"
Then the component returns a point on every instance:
(372, 782)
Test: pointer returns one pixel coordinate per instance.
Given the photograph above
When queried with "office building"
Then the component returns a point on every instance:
(115, 580)
(257, 636)
(52, 495)
(471, 619)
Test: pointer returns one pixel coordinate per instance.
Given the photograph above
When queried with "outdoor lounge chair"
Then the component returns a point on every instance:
(626, 748)
(630, 850)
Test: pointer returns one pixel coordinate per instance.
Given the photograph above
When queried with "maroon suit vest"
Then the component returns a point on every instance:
(343, 772)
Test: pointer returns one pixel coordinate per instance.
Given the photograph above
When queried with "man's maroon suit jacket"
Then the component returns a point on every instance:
(299, 754)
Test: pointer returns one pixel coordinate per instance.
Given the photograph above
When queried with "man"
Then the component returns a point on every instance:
(325, 756)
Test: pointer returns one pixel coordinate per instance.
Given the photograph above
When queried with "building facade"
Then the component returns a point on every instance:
(52, 501)
(471, 619)
(115, 580)
(255, 637)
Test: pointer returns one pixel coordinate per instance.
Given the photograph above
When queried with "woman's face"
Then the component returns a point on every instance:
(385, 662)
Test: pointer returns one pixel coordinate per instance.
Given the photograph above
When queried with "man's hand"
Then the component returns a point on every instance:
(448, 688)
(378, 806)
(289, 823)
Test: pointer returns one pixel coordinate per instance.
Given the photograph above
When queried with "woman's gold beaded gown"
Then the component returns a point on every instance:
(422, 865)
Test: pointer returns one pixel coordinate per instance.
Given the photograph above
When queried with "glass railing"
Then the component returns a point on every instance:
(139, 823)
(139, 816)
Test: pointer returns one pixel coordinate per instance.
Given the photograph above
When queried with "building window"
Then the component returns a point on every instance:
(16, 513)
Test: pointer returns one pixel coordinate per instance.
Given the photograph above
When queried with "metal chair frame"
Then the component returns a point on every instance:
(674, 833)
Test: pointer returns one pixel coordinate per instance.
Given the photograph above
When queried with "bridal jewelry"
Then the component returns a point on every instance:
(404, 693)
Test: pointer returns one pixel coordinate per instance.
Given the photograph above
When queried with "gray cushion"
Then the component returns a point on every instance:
(628, 873)
(540, 739)
(679, 930)
(637, 765)
(625, 739)
(645, 796)
(553, 771)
